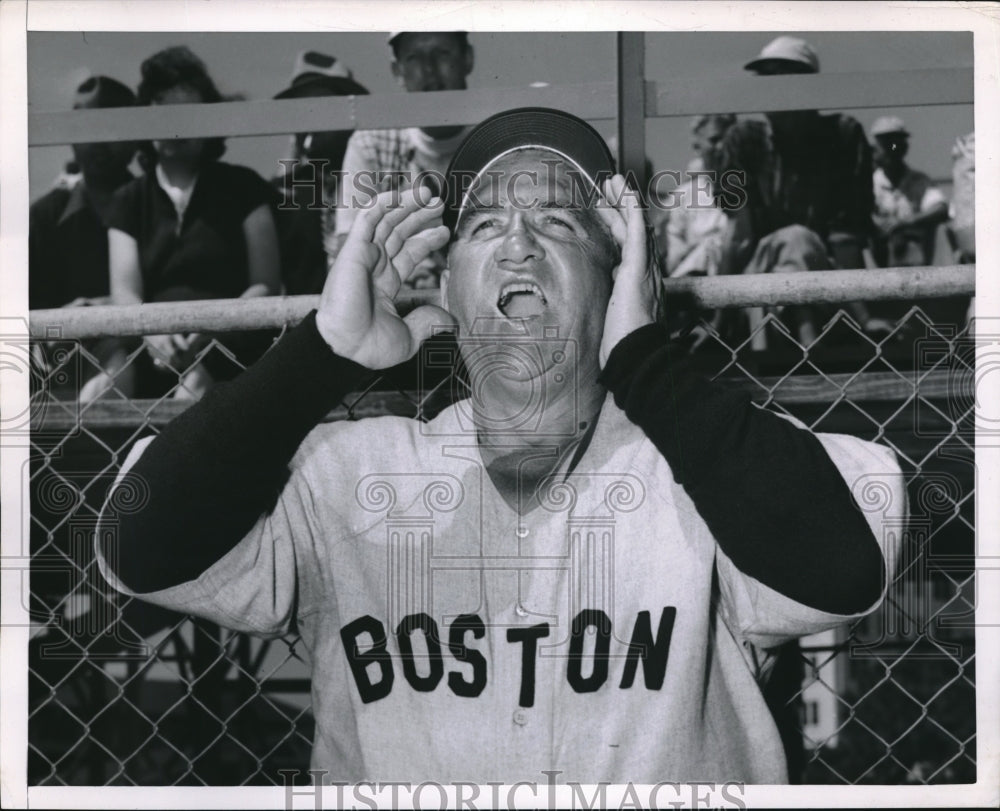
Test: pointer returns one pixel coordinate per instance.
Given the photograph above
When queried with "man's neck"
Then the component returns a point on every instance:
(441, 133)
(894, 173)
(522, 443)
(179, 175)
(101, 188)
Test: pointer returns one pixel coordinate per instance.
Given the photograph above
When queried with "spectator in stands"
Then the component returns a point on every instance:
(192, 228)
(822, 163)
(808, 202)
(422, 61)
(68, 238)
(696, 224)
(962, 229)
(67, 234)
(908, 207)
(706, 135)
(963, 200)
(908, 211)
(307, 214)
(69, 177)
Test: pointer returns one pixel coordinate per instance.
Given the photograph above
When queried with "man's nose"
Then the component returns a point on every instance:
(430, 76)
(519, 245)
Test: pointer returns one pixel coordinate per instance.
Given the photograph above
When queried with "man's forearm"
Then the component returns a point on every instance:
(772, 497)
(933, 216)
(218, 466)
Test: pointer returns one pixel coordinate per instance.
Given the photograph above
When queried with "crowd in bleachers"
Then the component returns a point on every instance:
(816, 192)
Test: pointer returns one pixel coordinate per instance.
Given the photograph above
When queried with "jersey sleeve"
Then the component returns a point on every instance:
(254, 588)
(764, 617)
(211, 511)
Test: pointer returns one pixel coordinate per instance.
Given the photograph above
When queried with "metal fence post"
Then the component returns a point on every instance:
(632, 104)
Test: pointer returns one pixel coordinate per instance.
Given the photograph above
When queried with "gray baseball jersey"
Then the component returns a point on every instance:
(603, 635)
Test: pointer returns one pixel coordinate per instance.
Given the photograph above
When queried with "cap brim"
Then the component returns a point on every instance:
(524, 128)
(332, 85)
(753, 64)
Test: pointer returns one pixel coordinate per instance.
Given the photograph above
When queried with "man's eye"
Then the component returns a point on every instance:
(558, 221)
(484, 225)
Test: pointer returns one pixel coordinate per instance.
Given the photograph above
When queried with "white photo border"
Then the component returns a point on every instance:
(18, 16)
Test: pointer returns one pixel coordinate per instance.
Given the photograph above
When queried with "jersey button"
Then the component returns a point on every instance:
(520, 610)
(520, 718)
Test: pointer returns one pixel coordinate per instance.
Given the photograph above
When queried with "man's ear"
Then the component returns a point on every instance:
(470, 59)
(397, 71)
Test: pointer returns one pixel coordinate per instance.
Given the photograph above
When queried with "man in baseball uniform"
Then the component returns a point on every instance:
(579, 568)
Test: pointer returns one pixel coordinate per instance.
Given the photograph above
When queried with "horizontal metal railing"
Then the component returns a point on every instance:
(593, 101)
(855, 387)
(705, 293)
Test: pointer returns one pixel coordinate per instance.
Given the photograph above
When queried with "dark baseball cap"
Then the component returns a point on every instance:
(571, 138)
(318, 73)
(102, 91)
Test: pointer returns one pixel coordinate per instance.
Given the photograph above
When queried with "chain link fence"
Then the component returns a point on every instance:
(122, 693)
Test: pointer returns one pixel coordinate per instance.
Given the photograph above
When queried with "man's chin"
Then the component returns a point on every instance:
(517, 359)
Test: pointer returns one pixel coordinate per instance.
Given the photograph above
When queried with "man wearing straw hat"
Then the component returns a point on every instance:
(577, 571)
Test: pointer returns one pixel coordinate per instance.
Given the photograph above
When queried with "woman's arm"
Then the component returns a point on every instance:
(263, 259)
(126, 288)
(124, 268)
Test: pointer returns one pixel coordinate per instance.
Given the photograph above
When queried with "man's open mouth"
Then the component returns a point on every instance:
(521, 300)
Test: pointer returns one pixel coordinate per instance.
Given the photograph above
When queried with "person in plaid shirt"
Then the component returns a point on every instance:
(381, 160)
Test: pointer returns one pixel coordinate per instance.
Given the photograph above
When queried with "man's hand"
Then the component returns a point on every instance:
(637, 290)
(357, 315)
(89, 301)
(115, 382)
(167, 351)
(96, 387)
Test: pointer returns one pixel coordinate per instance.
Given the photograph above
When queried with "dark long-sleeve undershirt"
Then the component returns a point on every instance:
(774, 500)
(216, 468)
(768, 491)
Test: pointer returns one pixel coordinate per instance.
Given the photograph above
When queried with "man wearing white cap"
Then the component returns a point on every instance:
(423, 61)
(822, 176)
(808, 181)
(579, 571)
(908, 207)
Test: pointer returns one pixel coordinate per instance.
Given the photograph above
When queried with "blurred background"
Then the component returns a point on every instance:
(259, 65)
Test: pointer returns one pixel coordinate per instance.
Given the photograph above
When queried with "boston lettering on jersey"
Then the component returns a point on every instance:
(376, 682)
